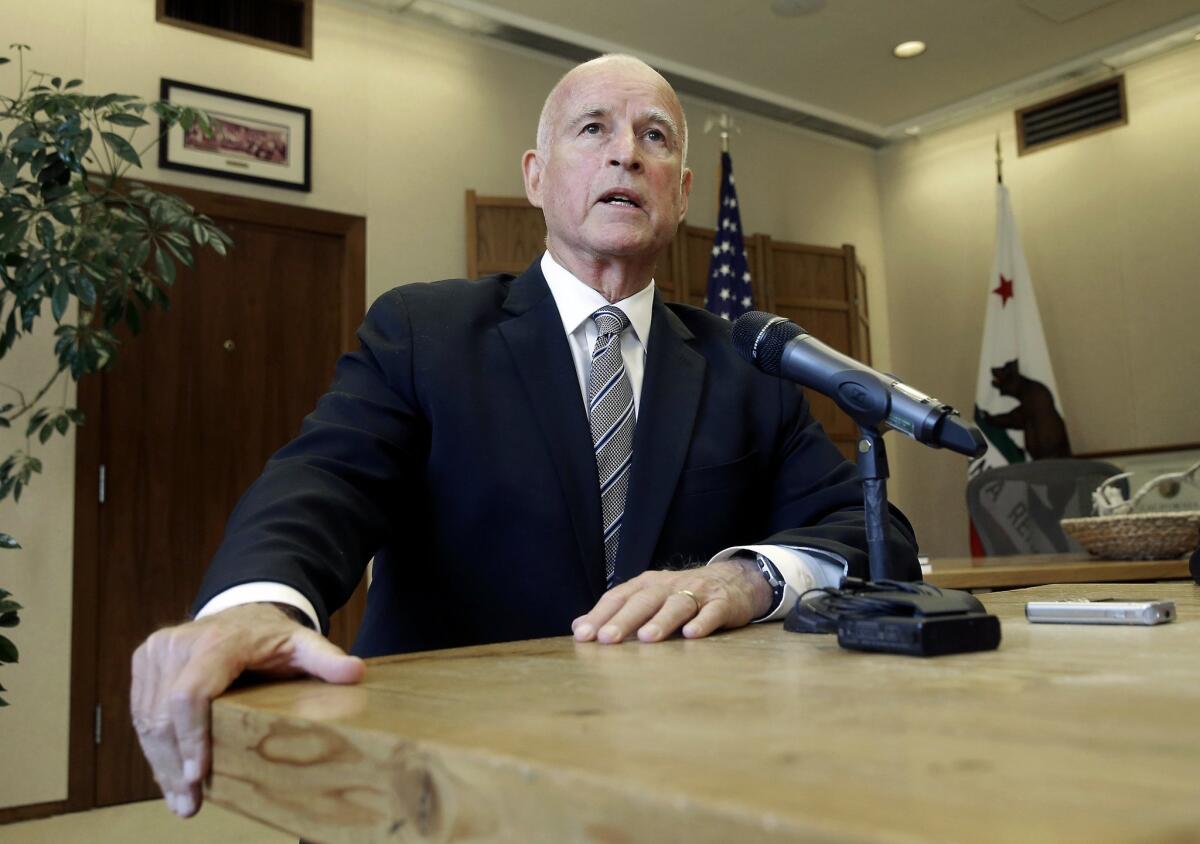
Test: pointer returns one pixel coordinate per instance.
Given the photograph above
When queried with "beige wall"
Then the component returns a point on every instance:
(1109, 227)
(406, 117)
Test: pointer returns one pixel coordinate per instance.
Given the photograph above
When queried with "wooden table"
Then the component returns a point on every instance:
(1066, 733)
(1041, 569)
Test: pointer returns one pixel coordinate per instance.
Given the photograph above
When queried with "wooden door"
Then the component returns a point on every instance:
(184, 423)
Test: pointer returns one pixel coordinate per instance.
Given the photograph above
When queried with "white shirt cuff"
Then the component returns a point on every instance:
(802, 569)
(260, 592)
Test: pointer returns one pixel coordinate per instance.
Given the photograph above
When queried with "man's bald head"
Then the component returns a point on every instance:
(608, 62)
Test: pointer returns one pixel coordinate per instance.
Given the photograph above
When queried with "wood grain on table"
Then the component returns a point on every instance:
(1066, 733)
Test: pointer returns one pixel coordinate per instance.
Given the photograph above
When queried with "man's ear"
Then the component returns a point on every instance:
(531, 169)
(685, 190)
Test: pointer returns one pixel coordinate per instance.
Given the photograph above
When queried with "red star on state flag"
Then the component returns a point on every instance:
(1004, 291)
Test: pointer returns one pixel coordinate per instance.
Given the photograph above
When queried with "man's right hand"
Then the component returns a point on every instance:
(179, 670)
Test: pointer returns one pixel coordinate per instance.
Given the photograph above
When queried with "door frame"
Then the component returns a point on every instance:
(81, 782)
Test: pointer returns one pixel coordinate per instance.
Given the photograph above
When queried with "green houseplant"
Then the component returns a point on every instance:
(75, 231)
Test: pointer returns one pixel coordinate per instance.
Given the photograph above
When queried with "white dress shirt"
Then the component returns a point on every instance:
(802, 568)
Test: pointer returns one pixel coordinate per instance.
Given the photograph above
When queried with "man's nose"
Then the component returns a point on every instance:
(623, 151)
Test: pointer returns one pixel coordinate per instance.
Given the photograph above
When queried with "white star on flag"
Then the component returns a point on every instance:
(725, 293)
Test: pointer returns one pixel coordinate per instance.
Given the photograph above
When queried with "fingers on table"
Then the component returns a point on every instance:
(678, 609)
(638, 608)
(314, 654)
(169, 725)
(586, 626)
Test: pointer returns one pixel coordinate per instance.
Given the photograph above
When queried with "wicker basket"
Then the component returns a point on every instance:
(1137, 536)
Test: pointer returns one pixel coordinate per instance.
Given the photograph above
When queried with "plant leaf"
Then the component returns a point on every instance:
(28, 145)
(62, 213)
(36, 421)
(45, 232)
(86, 291)
(58, 304)
(8, 651)
(164, 265)
(123, 119)
(8, 172)
(123, 149)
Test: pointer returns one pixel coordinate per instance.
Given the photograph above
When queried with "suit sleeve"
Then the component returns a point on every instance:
(817, 496)
(329, 499)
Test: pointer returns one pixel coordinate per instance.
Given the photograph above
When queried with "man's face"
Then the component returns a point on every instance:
(608, 178)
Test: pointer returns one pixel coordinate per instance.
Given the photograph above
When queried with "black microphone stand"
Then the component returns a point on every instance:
(873, 468)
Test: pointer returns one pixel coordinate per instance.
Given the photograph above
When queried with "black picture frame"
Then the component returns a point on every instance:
(256, 140)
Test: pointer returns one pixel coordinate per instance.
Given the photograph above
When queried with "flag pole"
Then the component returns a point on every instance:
(999, 162)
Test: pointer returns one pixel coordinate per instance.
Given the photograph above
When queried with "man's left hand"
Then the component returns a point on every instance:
(655, 604)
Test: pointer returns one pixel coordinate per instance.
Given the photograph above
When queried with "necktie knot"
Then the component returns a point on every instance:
(610, 320)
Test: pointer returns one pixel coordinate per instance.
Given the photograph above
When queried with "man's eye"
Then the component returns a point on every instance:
(592, 129)
(656, 135)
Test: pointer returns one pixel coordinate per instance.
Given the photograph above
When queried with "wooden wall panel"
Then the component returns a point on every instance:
(504, 234)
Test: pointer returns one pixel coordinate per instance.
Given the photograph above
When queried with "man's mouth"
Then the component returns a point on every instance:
(622, 198)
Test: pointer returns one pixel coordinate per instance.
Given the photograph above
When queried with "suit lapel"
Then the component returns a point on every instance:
(671, 390)
(542, 358)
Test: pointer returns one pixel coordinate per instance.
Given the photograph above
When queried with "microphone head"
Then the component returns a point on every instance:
(760, 337)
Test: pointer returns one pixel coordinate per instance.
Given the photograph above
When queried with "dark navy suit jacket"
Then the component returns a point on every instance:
(454, 446)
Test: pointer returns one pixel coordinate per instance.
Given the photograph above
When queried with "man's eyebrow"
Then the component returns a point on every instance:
(589, 111)
(658, 115)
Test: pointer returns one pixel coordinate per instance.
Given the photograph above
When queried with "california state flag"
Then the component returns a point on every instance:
(1016, 397)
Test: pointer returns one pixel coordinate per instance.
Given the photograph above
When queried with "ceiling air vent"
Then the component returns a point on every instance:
(1092, 109)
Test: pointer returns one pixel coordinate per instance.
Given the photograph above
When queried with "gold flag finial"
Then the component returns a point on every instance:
(725, 123)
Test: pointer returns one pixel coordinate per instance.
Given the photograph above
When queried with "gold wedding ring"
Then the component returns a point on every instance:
(691, 595)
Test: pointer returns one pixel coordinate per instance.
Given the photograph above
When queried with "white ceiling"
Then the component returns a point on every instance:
(835, 64)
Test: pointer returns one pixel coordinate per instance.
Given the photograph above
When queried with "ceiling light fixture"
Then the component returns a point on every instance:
(909, 49)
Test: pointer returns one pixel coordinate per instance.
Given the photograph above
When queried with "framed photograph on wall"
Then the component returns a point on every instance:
(254, 140)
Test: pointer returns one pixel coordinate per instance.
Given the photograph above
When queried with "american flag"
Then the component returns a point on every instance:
(729, 291)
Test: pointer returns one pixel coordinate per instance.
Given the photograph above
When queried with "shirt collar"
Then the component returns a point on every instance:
(577, 301)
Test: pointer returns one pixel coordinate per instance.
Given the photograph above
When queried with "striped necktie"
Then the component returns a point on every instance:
(612, 418)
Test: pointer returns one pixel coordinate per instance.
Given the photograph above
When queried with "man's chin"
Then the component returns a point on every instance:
(629, 242)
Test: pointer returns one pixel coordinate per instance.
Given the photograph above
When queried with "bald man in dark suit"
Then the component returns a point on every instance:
(557, 452)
